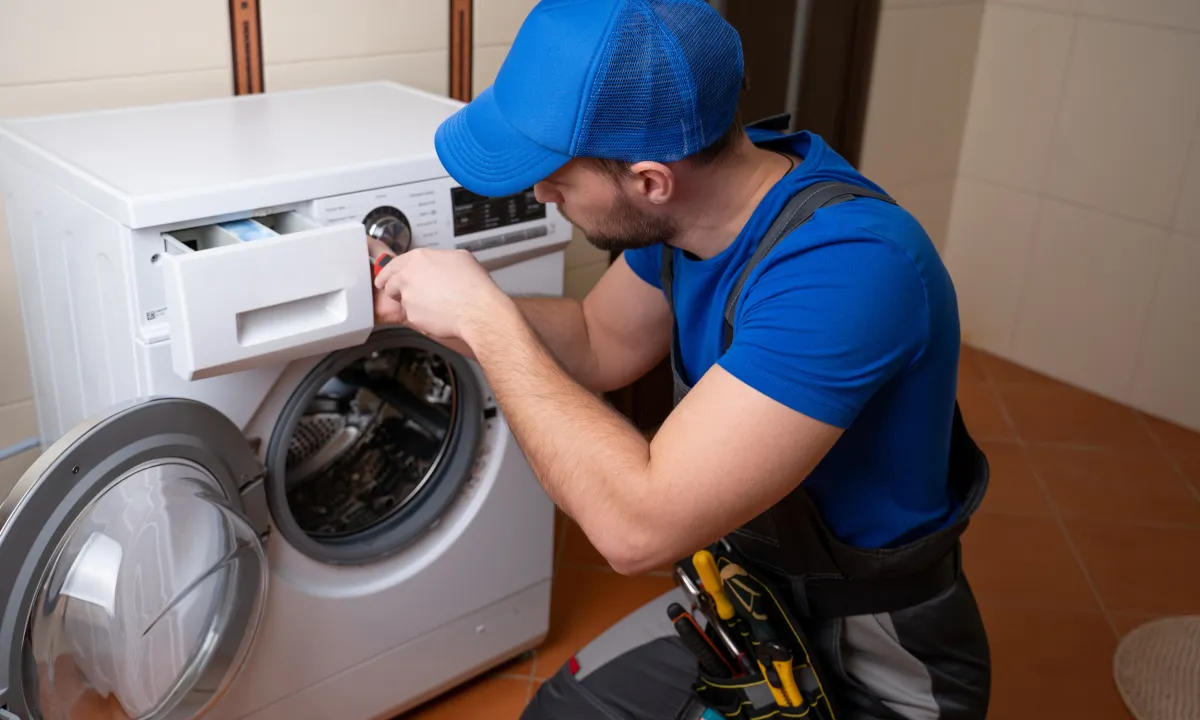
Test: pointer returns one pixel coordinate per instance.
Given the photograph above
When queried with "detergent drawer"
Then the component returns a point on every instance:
(267, 290)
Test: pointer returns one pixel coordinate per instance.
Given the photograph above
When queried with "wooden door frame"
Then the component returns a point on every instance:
(462, 46)
(245, 30)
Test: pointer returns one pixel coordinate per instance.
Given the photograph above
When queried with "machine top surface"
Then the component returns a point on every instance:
(178, 162)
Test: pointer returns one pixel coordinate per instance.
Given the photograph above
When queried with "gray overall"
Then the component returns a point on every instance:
(896, 632)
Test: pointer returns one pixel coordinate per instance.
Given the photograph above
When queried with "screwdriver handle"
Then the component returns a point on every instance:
(694, 638)
(710, 577)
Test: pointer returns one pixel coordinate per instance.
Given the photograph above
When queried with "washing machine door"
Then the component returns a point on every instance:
(132, 567)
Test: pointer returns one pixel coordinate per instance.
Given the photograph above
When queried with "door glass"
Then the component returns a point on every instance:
(138, 594)
(369, 441)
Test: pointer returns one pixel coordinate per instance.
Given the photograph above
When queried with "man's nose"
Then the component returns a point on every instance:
(545, 193)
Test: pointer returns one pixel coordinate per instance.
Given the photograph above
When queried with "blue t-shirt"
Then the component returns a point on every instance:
(852, 320)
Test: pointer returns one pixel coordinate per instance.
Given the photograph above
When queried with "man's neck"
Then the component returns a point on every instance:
(723, 201)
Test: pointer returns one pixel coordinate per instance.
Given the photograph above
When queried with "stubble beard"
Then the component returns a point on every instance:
(627, 228)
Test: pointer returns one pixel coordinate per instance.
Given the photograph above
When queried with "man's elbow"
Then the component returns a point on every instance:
(630, 553)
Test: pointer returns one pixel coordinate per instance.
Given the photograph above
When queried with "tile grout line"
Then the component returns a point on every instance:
(1087, 15)
(1107, 212)
(532, 678)
(112, 78)
(1055, 512)
(1162, 446)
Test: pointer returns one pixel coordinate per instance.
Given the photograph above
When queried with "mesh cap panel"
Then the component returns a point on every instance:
(666, 84)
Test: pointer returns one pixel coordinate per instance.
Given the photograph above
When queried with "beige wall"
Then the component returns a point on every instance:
(1074, 238)
(920, 91)
(310, 43)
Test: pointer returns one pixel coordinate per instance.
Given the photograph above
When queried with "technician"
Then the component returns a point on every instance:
(816, 430)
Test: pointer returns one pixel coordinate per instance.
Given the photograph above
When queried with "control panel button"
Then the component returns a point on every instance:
(390, 226)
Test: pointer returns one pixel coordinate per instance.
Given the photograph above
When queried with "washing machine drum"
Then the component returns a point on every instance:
(373, 447)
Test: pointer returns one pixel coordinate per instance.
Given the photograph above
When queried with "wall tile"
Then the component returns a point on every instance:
(1086, 297)
(941, 92)
(108, 93)
(1018, 79)
(487, 65)
(1172, 13)
(1130, 105)
(1166, 383)
(426, 71)
(18, 422)
(929, 201)
(1187, 214)
(579, 281)
(57, 40)
(886, 154)
(15, 381)
(304, 30)
(991, 231)
(497, 21)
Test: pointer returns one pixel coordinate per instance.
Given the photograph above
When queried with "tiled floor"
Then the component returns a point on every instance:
(1091, 527)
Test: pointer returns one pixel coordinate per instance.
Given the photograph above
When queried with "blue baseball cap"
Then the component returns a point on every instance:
(626, 80)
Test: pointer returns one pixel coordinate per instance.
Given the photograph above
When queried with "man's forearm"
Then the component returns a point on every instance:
(562, 327)
(592, 462)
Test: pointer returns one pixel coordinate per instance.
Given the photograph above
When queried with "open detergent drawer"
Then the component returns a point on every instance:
(274, 289)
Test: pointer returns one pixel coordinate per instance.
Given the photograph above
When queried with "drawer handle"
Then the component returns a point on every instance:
(292, 318)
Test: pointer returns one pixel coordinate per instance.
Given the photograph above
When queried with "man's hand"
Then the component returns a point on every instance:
(444, 294)
(387, 310)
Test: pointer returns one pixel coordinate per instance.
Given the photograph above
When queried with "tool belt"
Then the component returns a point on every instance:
(754, 657)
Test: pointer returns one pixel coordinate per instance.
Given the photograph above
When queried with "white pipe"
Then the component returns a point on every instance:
(14, 450)
(796, 64)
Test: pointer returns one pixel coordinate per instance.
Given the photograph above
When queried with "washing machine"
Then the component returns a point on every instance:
(253, 503)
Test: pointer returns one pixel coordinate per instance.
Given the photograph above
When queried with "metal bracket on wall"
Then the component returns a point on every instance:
(245, 24)
(462, 42)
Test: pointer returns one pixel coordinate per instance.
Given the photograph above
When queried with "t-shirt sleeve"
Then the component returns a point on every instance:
(821, 329)
(646, 263)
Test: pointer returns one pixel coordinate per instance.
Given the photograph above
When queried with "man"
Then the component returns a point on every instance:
(816, 431)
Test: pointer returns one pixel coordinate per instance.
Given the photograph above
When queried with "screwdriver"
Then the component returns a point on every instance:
(704, 604)
(694, 638)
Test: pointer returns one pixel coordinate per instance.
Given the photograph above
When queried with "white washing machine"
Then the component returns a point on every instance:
(251, 503)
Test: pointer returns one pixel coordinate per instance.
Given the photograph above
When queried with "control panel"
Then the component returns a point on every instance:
(441, 214)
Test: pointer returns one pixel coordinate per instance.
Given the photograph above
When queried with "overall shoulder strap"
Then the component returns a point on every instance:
(798, 211)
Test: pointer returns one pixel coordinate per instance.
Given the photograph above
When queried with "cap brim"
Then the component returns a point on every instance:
(487, 155)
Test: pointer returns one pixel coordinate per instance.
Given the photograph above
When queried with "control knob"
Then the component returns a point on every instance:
(388, 225)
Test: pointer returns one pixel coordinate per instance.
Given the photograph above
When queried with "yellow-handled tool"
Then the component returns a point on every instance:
(781, 661)
(710, 576)
(775, 683)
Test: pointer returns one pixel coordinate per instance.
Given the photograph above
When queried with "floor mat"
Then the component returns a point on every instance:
(1157, 669)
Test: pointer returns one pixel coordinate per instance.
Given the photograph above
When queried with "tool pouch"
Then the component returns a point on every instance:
(751, 696)
(746, 698)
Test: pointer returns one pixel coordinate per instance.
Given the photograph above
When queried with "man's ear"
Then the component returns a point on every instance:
(653, 181)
